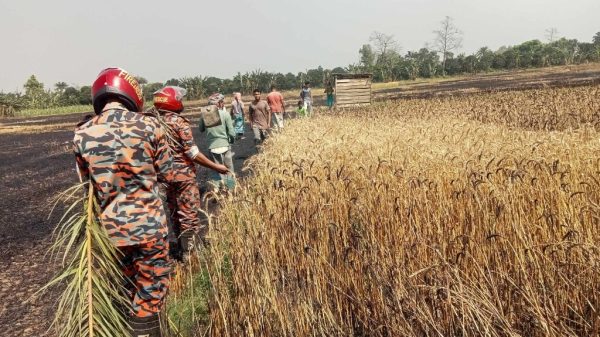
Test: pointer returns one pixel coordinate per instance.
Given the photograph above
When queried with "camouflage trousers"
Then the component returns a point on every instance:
(183, 198)
(147, 268)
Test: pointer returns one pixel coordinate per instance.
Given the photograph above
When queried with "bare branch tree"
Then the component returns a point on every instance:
(383, 42)
(447, 39)
(551, 34)
(385, 47)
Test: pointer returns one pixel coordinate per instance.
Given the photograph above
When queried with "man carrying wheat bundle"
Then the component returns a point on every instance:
(124, 154)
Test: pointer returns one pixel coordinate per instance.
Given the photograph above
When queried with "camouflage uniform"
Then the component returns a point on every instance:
(183, 195)
(125, 154)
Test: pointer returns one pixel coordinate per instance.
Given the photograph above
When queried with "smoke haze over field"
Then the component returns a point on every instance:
(71, 41)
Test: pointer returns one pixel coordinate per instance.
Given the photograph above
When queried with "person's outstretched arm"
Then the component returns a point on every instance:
(184, 131)
(202, 160)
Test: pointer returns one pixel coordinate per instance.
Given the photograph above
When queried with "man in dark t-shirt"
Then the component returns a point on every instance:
(260, 117)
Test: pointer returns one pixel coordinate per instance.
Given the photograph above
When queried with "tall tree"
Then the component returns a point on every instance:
(596, 39)
(386, 48)
(33, 86)
(485, 58)
(34, 92)
(173, 81)
(85, 95)
(316, 76)
(447, 39)
(367, 57)
(60, 86)
(141, 80)
(149, 89)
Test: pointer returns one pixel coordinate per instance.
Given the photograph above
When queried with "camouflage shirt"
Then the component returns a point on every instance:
(185, 150)
(125, 154)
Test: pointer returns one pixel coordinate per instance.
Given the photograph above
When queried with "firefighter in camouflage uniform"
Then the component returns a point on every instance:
(124, 154)
(183, 195)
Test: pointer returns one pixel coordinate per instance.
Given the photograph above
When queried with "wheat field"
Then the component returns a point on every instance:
(459, 216)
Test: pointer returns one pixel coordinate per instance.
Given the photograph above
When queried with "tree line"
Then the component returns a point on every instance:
(381, 56)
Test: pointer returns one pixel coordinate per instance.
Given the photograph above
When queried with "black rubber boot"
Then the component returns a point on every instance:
(189, 241)
(145, 326)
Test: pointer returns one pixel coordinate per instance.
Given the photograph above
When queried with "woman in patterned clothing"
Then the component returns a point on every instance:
(237, 114)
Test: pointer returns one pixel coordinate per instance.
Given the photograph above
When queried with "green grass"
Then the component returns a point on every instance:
(187, 310)
(63, 110)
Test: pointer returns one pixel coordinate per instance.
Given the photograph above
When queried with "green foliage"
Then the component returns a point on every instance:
(35, 95)
(141, 80)
(173, 81)
(194, 86)
(188, 308)
(315, 76)
(60, 110)
(11, 103)
(367, 58)
(149, 90)
(85, 95)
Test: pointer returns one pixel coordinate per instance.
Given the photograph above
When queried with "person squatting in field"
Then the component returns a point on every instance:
(260, 118)
(124, 153)
(183, 195)
(277, 106)
(217, 123)
(300, 110)
(237, 115)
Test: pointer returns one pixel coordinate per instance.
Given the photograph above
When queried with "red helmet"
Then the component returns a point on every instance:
(169, 98)
(116, 83)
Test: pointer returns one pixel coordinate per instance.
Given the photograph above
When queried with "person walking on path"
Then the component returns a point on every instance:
(329, 92)
(217, 123)
(260, 117)
(124, 154)
(277, 106)
(237, 114)
(306, 97)
(183, 195)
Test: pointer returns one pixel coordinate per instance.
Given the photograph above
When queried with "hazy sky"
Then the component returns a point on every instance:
(71, 41)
